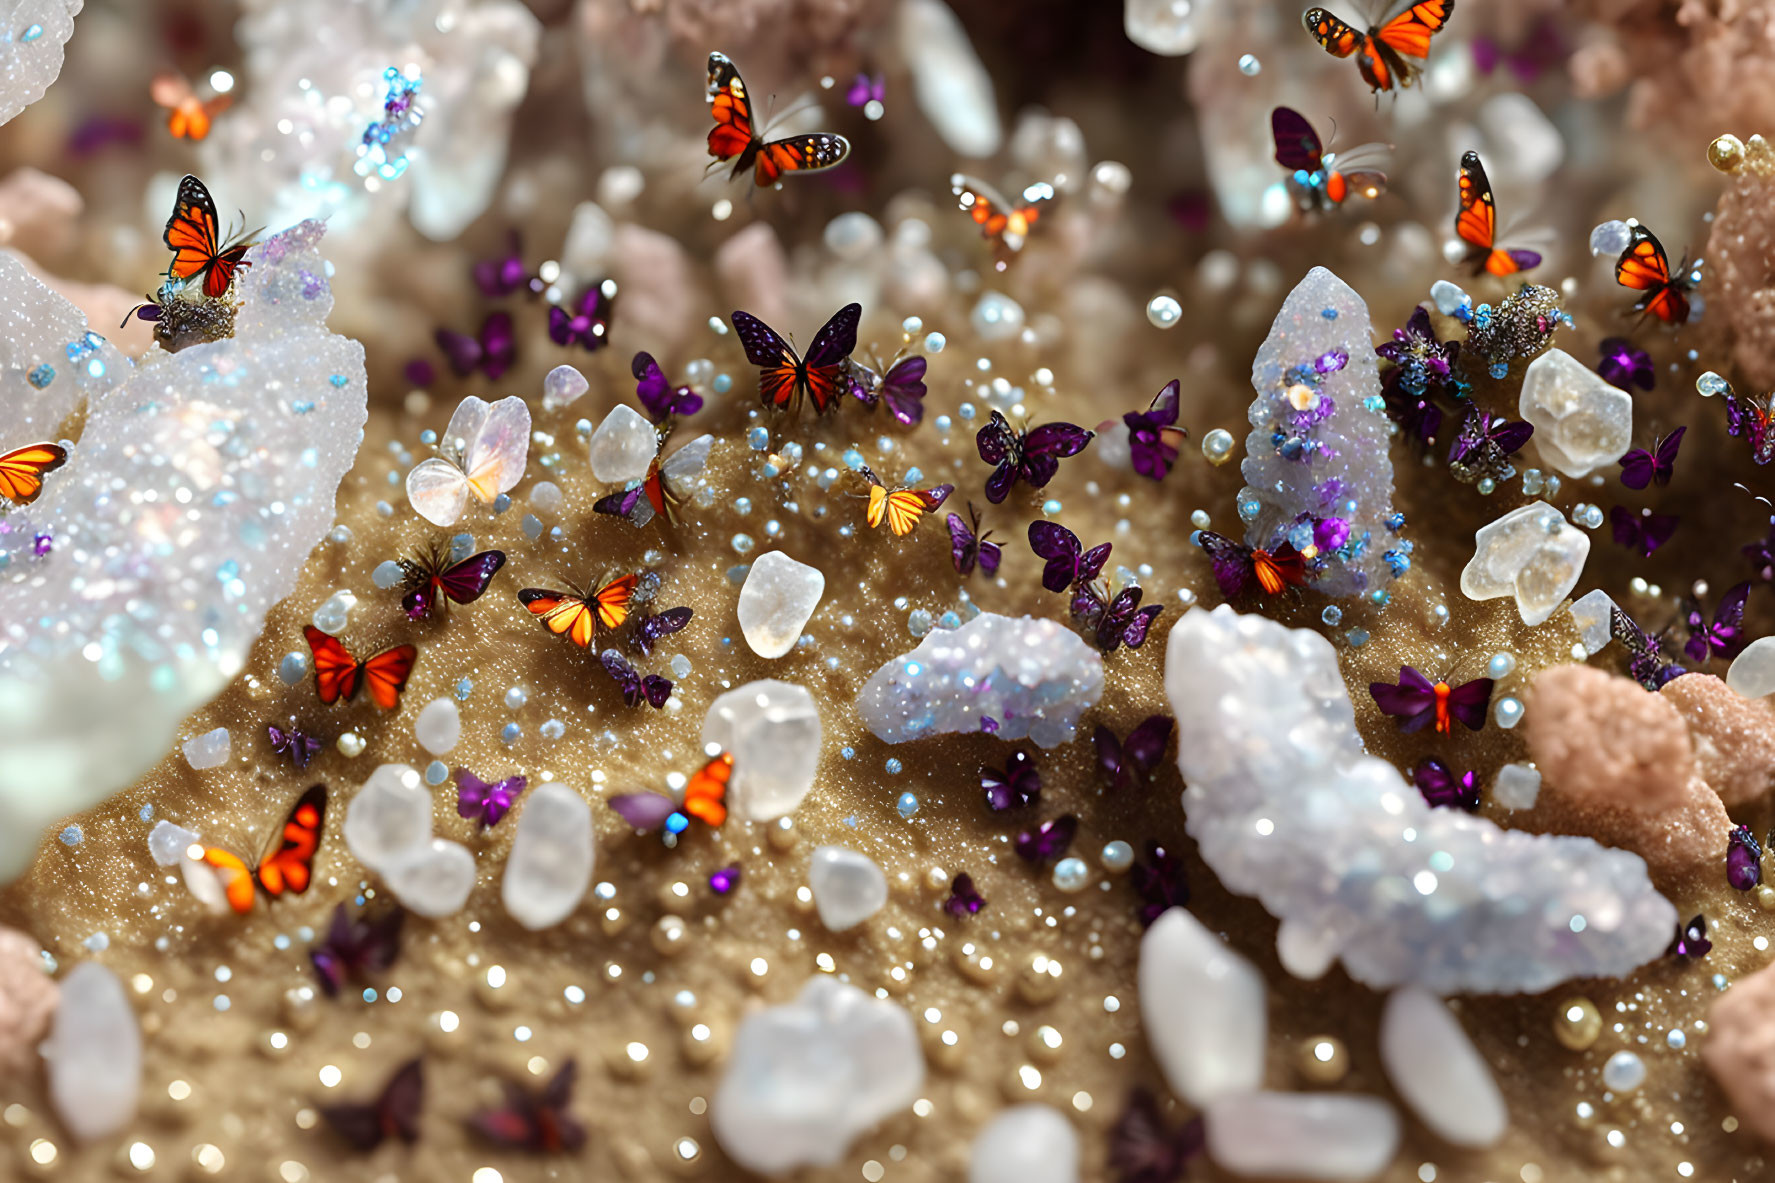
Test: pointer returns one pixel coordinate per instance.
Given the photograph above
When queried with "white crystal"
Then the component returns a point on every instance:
(852, 236)
(949, 82)
(550, 864)
(805, 1079)
(1448, 298)
(433, 880)
(167, 843)
(1343, 1137)
(1304, 950)
(1531, 554)
(1752, 672)
(27, 67)
(848, 886)
(1437, 1070)
(438, 726)
(1203, 1009)
(389, 818)
(1031, 676)
(1611, 238)
(209, 750)
(1316, 829)
(1168, 27)
(776, 600)
(1025, 1144)
(562, 387)
(623, 446)
(1517, 786)
(772, 730)
(1591, 613)
(1581, 422)
(334, 613)
(94, 1054)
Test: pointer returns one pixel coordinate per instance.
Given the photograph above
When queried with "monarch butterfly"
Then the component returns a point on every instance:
(337, 673)
(903, 508)
(1477, 225)
(734, 138)
(784, 378)
(287, 868)
(1383, 54)
(1003, 223)
(582, 617)
(1644, 267)
(193, 235)
(188, 117)
(22, 469)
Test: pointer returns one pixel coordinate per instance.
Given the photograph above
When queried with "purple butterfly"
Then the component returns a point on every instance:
(1067, 563)
(1640, 467)
(901, 390)
(1031, 455)
(634, 687)
(588, 324)
(1645, 652)
(354, 948)
(393, 1114)
(1120, 622)
(1417, 702)
(963, 899)
(1691, 939)
(652, 626)
(662, 400)
(1014, 786)
(1153, 434)
(1624, 366)
(1441, 787)
(864, 90)
(1642, 532)
(1159, 882)
(483, 803)
(531, 1121)
(1143, 1148)
(503, 274)
(967, 546)
(1744, 859)
(295, 743)
(1725, 636)
(1130, 762)
(432, 581)
(784, 378)
(646, 811)
(1486, 442)
(1047, 841)
(1753, 419)
(492, 352)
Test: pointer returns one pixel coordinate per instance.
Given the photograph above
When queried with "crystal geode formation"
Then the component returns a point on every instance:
(1317, 452)
(199, 484)
(1286, 806)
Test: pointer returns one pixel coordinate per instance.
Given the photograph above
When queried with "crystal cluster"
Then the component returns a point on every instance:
(1015, 677)
(1531, 554)
(229, 454)
(31, 50)
(1317, 452)
(1285, 805)
(1517, 328)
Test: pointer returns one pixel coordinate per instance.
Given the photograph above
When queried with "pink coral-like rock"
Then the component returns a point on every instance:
(1740, 1048)
(754, 273)
(1740, 284)
(656, 286)
(1733, 736)
(27, 1001)
(1617, 764)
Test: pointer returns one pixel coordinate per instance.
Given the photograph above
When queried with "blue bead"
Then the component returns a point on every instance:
(677, 823)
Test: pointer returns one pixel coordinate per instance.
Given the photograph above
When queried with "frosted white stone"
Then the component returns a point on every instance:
(949, 82)
(806, 1078)
(1438, 1071)
(1624, 1072)
(1343, 1137)
(167, 843)
(1591, 612)
(852, 235)
(1581, 422)
(772, 730)
(209, 750)
(1031, 676)
(389, 818)
(135, 619)
(94, 1054)
(778, 597)
(1448, 297)
(623, 446)
(438, 726)
(1531, 554)
(1266, 734)
(433, 880)
(848, 886)
(550, 864)
(1025, 1144)
(1752, 672)
(1168, 27)
(1517, 786)
(1305, 951)
(1203, 1009)
(562, 387)
(31, 54)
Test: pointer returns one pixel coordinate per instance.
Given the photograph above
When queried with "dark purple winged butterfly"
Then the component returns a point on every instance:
(354, 948)
(1031, 455)
(967, 546)
(650, 627)
(634, 687)
(1754, 419)
(900, 389)
(784, 377)
(1691, 939)
(1441, 787)
(1642, 532)
(1153, 434)
(532, 1121)
(964, 899)
(393, 1114)
(662, 400)
(1418, 702)
(503, 274)
(483, 803)
(1645, 651)
(1144, 1148)
(1047, 841)
(1642, 467)
(588, 322)
(295, 743)
(1159, 882)
(1068, 564)
(1484, 445)
(1121, 621)
(431, 580)
(1127, 763)
(1725, 636)
(1238, 567)
(491, 352)
(1015, 785)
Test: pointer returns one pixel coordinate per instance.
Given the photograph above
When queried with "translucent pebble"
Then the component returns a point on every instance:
(1448, 298)
(949, 82)
(853, 235)
(563, 385)
(438, 726)
(1203, 1008)
(848, 886)
(551, 859)
(623, 446)
(553, 729)
(437, 772)
(934, 343)
(1581, 422)
(167, 843)
(1318, 1136)
(292, 668)
(1611, 238)
(1623, 1072)
(94, 1054)
(545, 496)
(1163, 312)
(1532, 554)
(389, 818)
(680, 666)
(209, 750)
(1752, 672)
(1591, 613)
(532, 526)
(1025, 1144)
(772, 730)
(387, 574)
(996, 317)
(776, 602)
(1436, 1069)
(1507, 712)
(334, 614)
(1517, 786)
(433, 880)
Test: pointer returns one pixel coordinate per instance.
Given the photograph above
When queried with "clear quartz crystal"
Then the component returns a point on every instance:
(772, 731)
(848, 886)
(1203, 1009)
(778, 597)
(389, 817)
(1581, 422)
(438, 726)
(209, 750)
(1437, 1070)
(1532, 554)
(1339, 1137)
(551, 860)
(623, 446)
(1168, 27)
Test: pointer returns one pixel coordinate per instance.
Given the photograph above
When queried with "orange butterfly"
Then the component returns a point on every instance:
(582, 617)
(734, 138)
(337, 672)
(903, 508)
(22, 469)
(1382, 53)
(1644, 267)
(188, 117)
(1002, 223)
(287, 868)
(705, 796)
(192, 234)
(1477, 225)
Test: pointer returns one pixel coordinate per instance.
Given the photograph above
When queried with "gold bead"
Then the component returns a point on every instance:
(1322, 1059)
(1044, 1045)
(1577, 1023)
(977, 963)
(1766, 897)
(782, 835)
(1726, 153)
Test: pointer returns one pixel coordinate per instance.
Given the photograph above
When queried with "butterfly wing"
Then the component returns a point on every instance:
(465, 581)
(499, 449)
(1413, 699)
(561, 613)
(1637, 468)
(336, 671)
(964, 548)
(1135, 630)
(1409, 33)
(1092, 561)
(1468, 702)
(798, 154)
(733, 131)
(386, 674)
(1665, 466)
(627, 680)
(472, 795)
(656, 690)
(991, 554)
(1297, 144)
(1333, 35)
(1060, 547)
(1146, 744)
(614, 600)
(1231, 562)
(705, 796)
(1657, 530)
(235, 876)
(646, 812)
(832, 347)
(660, 625)
(779, 369)
(1110, 756)
(651, 386)
(1644, 266)
(905, 507)
(291, 866)
(438, 491)
(192, 231)
(1056, 440)
(22, 469)
(1476, 223)
(903, 391)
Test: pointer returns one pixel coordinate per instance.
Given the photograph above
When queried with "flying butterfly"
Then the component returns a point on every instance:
(785, 378)
(1066, 562)
(288, 868)
(663, 489)
(1725, 636)
(1028, 454)
(188, 117)
(1645, 651)
(735, 137)
(705, 798)
(432, 580)
(1643, 466)
(651, 627)
(193, 234)
(902, 508)
(295, 743)
(1441, 788)
(356, 948)
(635, 688)
(22, 469)
(1389, 55)
(492, 350)
(1418, 702)
(1477, 225)
(968, 546)
(1127, 763)
(1642, 532)
(1005, 224)
(337, 674)
(1644, 267)
(485, 803)
(900, 388)
(1117, 621)
(1237, 566)
(664, 402)
(393, 1114)
(1752, 418)
(531, 1121)
(1319, 180)
(582, 617)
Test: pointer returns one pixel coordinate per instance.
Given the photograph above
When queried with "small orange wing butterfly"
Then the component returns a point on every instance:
(22, 469)
(1005, 224)
(287, 868)
(1644, 267)
(582, 617)
(902, 509)
(188, 117)
(193, 234)
(735, 138)
(337, 674)
(705, 795)
(1383, 54)
(1477, 225)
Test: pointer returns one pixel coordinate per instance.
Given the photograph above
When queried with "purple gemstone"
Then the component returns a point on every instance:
(1744, 860)
(1331, 533)
(1331, 362)
(43, 543)
(1691, 939)
(1047, 841)
(963, 899)
(988, 724)
(725, 880)
(1159, 882)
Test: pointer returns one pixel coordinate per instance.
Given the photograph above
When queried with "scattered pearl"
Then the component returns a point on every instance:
(1163, 311)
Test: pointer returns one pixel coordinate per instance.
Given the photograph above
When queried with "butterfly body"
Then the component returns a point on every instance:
(1388, 55)
(735, 136)
(337, 674)
(785, 378)
(1418, 702)
(22, 469)
(1319, 180)
(1005, 224)
(193, 234)
(663, 490)
(1477, 222)
(287, 868)
(578, 617)
(1644, 267)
